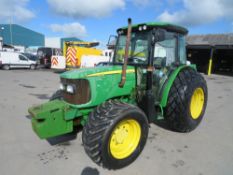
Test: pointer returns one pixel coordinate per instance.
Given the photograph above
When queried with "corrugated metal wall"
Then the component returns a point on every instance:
(17, 35)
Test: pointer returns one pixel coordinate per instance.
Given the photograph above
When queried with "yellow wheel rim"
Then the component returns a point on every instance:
(125, 138)
(197, 103)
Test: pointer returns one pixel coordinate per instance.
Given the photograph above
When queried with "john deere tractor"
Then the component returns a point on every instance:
(115, 104)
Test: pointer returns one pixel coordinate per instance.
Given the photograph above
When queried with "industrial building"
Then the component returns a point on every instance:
(17, 35)
(211, 53)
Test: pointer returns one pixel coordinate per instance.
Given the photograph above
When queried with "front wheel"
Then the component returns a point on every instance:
(33, 67)
(115, 134)
(57, 96)
(187, 101)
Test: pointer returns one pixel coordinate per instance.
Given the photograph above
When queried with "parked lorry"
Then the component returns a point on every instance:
(10, 60)
(79, 55)
(73, 52)
(115, 104)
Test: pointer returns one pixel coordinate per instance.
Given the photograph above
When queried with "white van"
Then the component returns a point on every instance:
(92, 60)
(10, 60)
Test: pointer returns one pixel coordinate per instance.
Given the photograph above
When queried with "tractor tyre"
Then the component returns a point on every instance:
(186, 101)
(56, 96)
(115, 134)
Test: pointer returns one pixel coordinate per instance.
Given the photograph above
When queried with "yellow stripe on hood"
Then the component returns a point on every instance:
(111, 72)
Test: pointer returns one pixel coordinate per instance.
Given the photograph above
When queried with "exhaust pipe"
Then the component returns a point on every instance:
(124, 67)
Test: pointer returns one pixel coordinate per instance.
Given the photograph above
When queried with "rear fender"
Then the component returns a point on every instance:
(168, 84)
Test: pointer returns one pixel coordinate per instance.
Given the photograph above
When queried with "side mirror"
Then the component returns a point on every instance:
(160, 35)
(112, 41)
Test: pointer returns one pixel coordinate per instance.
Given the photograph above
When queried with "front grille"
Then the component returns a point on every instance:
(82, 93)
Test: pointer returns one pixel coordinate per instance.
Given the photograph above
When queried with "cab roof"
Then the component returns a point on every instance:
(168, 26)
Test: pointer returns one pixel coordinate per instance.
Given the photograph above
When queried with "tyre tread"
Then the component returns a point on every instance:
(98, 122)
(177, 106)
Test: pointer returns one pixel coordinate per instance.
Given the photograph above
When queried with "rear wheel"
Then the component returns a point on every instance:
(115, 134)
(6, 67)
(187, 101)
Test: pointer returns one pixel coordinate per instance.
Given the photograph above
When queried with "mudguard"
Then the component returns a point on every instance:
(168, 84)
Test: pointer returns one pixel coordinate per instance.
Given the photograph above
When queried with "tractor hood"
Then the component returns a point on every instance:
(103, 84)
(93, 72)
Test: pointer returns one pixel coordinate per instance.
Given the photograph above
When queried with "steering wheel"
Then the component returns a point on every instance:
(136, 60)
(159, 62)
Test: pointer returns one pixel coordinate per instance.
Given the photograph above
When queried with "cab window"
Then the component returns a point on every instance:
(182, 49)
(165, 51)
(21, 57)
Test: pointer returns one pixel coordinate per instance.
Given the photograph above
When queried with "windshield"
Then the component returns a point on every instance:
(138, 49)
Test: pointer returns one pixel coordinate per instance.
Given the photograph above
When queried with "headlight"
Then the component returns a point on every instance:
(70, 89)
(144, 27)
(62, 87)
(140, 28)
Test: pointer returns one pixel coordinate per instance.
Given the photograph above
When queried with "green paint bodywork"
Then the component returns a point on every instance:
(165, 93)
(56, 117)
(48, 119)
(105, 86)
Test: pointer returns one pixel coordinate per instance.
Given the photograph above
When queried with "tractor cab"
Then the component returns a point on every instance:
(162, 42)
(155, 50)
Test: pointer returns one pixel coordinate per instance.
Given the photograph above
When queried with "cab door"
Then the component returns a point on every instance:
(165, 58)
(23, 61)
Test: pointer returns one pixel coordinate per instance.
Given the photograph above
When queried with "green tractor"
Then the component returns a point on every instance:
(115, 104)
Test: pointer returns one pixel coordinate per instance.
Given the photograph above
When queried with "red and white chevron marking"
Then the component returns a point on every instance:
(54, 61)
(71, 56)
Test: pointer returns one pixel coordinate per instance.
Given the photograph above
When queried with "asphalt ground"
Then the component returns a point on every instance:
(208, 150)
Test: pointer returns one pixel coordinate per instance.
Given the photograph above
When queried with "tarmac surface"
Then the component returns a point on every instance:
(208, 150)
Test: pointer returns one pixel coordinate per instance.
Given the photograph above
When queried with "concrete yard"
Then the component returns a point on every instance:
(208, 150)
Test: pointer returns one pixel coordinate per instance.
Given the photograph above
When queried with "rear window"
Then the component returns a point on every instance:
(44, 51)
